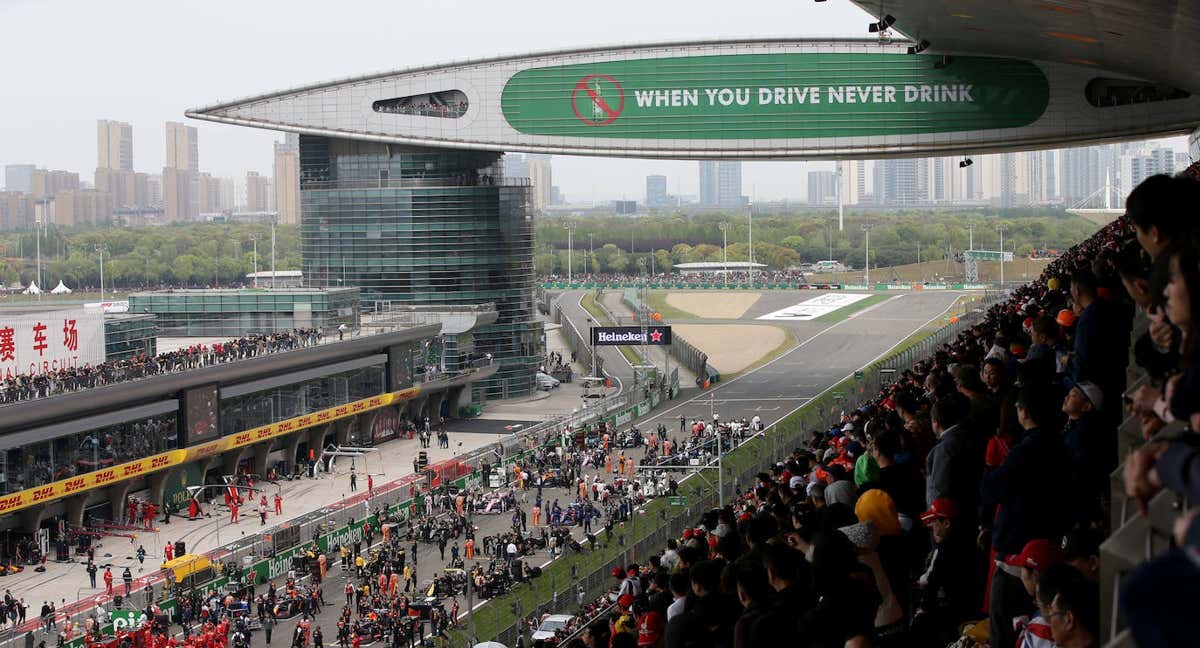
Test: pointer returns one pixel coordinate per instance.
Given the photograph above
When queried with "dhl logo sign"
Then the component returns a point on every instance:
(80, 483)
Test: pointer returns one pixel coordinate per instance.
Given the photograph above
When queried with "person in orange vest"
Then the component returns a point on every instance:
(278, 504)
(108, 579)
(393, 584)
(583, 489)
(621, 463)
(537, 515)
(606, 441)
(470, 547)
(370, 486)
(169, 551)
(233, 512)
(629, 464)
(666, 447)
(608, 463)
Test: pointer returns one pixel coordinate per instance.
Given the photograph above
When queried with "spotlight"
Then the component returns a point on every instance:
(919, 47)
(966, 162)
(883, 24)
(942, 62)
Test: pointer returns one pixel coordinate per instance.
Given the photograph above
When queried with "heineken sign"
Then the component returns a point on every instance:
(776, 96)
(631, 335)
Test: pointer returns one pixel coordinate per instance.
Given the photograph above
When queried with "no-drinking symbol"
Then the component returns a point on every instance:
(598, 99)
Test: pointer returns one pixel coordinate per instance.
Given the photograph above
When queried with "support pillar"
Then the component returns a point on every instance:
(231, 459)
(261, 452)
(291, 444)
(31, 518)
(73, 507)
(156, 483)
(342, 431)
(435, 406)
(116, 499)
(366, 425)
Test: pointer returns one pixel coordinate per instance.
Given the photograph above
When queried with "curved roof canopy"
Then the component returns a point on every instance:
(735, 100)
(1148, 39)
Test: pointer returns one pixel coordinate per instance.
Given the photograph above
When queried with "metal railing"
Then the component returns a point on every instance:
(417, 183)
(393, 495)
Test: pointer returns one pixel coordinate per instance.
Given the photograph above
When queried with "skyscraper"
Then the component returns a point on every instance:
(181, 190)
(258, 189)
(541, 179)
(1136, 166)
(822, 188)
(901, 182)
(1085, 172)
(852, 179)
(114, 145)
(287, 180)
(183, 148)
(708, 183)
(729, 184)
(656, 191)
(18, 177)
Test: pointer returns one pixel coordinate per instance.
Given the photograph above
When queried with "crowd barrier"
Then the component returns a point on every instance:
(577, 342)
(684, 353)
(704, 285)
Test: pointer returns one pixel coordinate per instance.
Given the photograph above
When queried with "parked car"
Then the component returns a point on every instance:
(546, 382)
(550, 624)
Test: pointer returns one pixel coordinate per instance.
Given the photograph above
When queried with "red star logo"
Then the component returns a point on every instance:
(656, 336)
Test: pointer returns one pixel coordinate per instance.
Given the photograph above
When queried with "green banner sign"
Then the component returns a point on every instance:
(775, 96)
(126, 620)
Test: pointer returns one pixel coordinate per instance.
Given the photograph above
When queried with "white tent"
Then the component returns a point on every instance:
(32, 289)
(60, 289)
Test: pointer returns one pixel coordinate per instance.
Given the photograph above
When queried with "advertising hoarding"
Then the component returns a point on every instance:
(631, 335)
(775, 96)
(37, 343)
(815, 307)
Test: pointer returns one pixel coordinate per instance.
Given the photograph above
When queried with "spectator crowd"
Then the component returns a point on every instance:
(70, 379)
(966, 503)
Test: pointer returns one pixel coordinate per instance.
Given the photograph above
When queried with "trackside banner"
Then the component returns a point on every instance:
(631, 335)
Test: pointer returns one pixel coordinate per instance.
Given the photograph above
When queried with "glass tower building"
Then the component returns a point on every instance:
(429, 227)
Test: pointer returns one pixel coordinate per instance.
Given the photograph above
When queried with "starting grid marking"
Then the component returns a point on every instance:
(815, 307)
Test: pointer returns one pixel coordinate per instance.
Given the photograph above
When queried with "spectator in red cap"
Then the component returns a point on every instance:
(651, 626)
(948, 590)
(1035, 558)
(1036, 631)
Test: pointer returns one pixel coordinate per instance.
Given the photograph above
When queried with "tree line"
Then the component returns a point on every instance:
(207, 254)
(619, 244)
(182, 254)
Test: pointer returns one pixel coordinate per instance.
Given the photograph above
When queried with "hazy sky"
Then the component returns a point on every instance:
(68, 63)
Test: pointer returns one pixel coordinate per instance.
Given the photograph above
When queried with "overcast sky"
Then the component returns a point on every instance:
(68, 63)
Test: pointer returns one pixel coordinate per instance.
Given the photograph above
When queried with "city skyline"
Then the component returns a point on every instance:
(47, 129)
